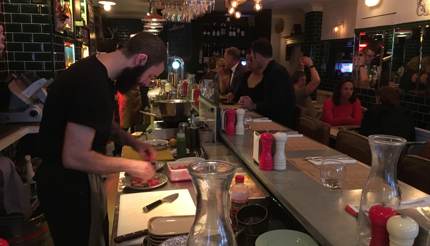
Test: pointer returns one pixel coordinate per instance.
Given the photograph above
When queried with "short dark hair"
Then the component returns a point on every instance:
(297, 75)
(148, 44)
(373, 47)
(263, 47)
(338, 88)
(389, 95)
(233, 52)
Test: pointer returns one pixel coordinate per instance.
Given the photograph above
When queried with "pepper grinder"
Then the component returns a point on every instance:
(280, 160)
(240, 114)
(402, 230)
(379, 216)
(265, 157)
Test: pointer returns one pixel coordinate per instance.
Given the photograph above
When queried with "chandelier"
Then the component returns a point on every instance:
(232, 6)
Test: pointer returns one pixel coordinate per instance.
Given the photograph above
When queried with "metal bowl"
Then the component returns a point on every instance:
(174, 110)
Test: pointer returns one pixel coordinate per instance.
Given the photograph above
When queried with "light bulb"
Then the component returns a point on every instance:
(371, 3)
(231, 10)
(336, 29)
(175, 65)
(258, 6)
(234, 4)
(237, 15)
(107, 7)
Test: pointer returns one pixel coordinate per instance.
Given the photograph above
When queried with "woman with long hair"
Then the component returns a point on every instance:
(343, 108)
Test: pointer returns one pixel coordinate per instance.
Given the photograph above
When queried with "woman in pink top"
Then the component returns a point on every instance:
(343, 108)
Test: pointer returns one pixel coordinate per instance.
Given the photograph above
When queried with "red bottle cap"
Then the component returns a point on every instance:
(239, 179)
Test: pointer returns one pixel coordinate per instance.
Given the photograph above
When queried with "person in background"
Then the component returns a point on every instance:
(343, 108)
(252, 85)
(211, 70)
(303, 90)
(363, 65)
(222, 76)
(279, 100)
(129, 105)
(232, 63)
(76, 125)
(2, 40)
(388, 117)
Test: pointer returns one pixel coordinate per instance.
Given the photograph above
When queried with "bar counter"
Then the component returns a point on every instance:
(318, 209)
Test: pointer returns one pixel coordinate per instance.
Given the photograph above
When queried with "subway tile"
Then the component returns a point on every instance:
(22, 37)
(13, 27)
(13, 65)
(24, 56)
(34, 28)
(47, 28)
(21, 18)
(43, 56)
(41, 37)
(45, 19)
(11, 8)
(14, 46)
(33, 47)
(47, 47)
(34, 65)
(29, 8)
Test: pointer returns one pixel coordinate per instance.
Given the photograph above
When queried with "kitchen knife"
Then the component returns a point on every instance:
(130, 236)
(151, 206)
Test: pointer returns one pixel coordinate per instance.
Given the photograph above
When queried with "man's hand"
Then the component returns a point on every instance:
(247, 103)
(145, 151)
(141, 169)
(307, 61)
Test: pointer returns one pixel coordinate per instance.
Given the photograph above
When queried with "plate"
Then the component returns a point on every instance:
(162, 180)
(190, 159)
(170, 225)
(284, 237)
(158, 144)
(176, 241)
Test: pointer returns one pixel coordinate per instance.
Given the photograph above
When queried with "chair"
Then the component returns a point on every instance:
(314, 129)
(355, 145)
(414, 170)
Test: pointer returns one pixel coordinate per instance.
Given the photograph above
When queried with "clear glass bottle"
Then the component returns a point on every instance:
(212, 223)
(381, 186)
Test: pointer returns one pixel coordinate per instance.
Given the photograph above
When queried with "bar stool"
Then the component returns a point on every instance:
(414, 170)
(355, 145)
(314, 129)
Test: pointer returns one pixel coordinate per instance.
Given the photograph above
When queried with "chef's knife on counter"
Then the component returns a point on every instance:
(130, 236)
(169, 198)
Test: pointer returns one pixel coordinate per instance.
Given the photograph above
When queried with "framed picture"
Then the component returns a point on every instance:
(69, 54)
(63, 16)
(80, 13)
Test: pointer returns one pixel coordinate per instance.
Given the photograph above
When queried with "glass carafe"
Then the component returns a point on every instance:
(381, 186)
(212, 225)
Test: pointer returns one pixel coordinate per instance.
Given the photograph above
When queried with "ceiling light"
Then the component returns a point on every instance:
(336, 29)
(231, 10)
(237, 15)
(372, 3)
(234, 4)
(107, 5)
(258, 6)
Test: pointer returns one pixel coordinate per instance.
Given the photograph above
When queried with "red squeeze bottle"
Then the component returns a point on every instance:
(265, 158)
(379, 216)
(230, 124)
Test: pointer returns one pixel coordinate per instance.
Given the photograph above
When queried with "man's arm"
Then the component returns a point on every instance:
(145, 150)
(77, 154)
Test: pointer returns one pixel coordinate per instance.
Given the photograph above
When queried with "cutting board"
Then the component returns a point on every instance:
(162, 155)
(131, 217)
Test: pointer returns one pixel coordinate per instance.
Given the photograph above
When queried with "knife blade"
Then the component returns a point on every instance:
(169, 198)
(130, 236)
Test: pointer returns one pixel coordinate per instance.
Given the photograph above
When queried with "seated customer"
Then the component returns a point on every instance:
(251, 85)
(278, 101)
(303, 90)
(343, 108)
(222, 76)
(388, 117)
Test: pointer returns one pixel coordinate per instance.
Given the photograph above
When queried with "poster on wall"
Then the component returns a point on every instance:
(69, 54)
(80, 13)
(63, 15)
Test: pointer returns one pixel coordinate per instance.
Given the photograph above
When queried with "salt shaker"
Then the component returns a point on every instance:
(240, 114)
(402, 230)
(280, 162)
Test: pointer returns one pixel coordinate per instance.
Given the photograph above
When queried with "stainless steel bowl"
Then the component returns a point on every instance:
(174, 110)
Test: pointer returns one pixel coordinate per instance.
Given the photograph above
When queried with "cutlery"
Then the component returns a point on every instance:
(130, 236)
(169, 198)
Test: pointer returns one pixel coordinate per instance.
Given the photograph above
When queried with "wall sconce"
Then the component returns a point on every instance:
(372, 3)
(338, 28)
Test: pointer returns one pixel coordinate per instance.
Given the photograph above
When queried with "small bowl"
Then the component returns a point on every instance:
(285, 237)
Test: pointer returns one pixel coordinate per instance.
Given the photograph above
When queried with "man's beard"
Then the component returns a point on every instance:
(128, 78)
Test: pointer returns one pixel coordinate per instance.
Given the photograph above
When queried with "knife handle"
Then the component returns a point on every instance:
(151, 206)
(130, 236)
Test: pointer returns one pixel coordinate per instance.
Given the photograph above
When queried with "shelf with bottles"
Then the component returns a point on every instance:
(224, 31)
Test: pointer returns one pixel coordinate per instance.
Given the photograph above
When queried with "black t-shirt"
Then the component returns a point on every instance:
(256, 93)
(82, 94)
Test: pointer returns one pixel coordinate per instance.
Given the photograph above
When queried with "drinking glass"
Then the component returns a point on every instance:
(332, 173)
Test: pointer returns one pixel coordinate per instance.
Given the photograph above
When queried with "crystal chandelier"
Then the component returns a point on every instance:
(232, 6)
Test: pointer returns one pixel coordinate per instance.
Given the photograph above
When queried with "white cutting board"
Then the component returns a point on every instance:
(131, 217)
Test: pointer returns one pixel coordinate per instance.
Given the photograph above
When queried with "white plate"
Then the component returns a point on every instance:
(285, 237)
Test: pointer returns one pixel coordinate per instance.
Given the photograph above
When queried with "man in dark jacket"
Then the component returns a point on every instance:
(279, 99)
(237, 71)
